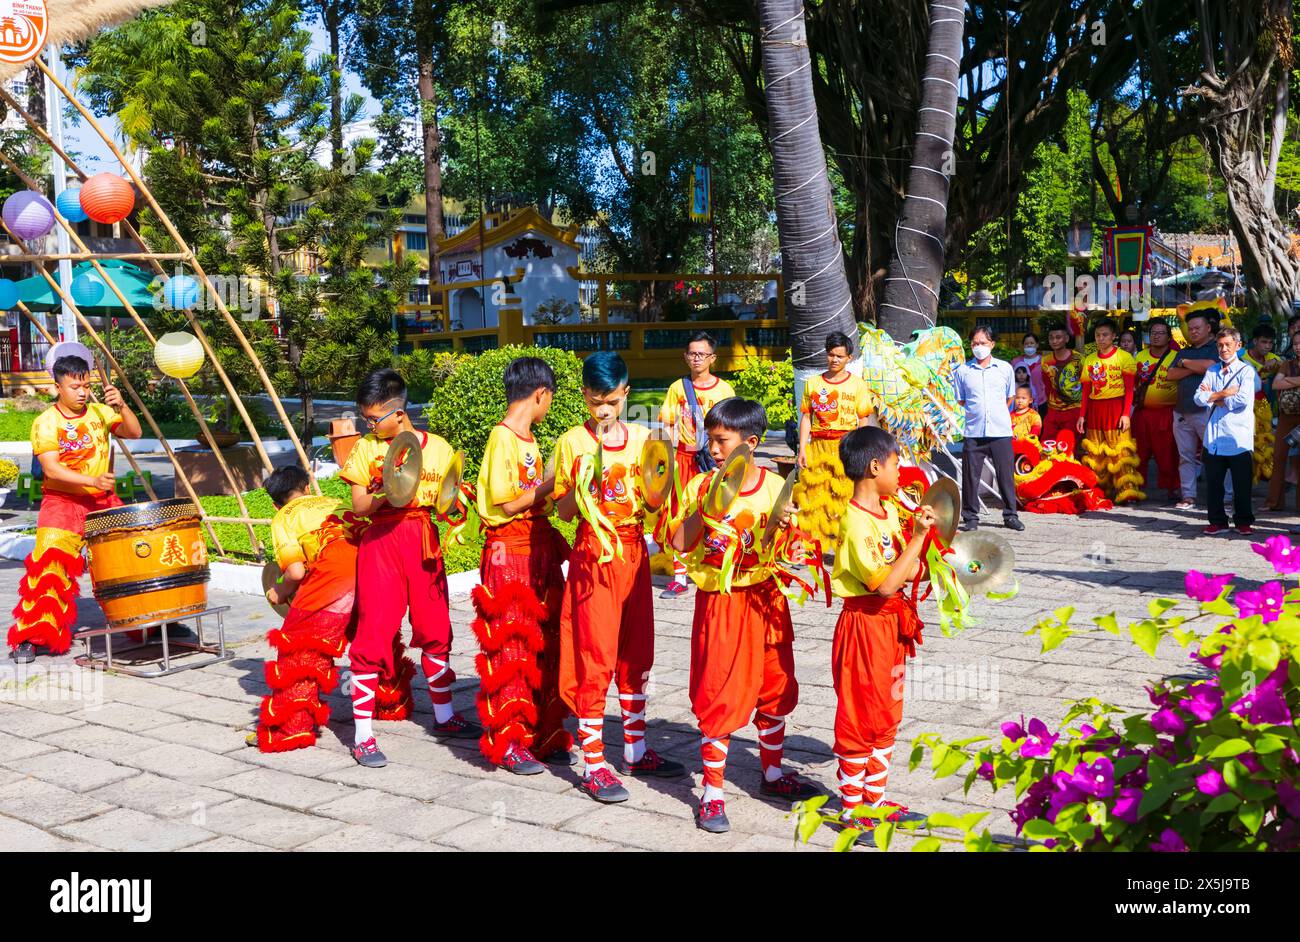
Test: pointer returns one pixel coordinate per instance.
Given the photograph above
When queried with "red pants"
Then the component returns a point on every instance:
(47, 594)
(606, 622)
(518, 604)
(1057, 419)
(1153, 427)
(873, 637)
(686, 469)
(742, 657)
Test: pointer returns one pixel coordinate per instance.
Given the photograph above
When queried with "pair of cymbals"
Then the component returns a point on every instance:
(403, 466)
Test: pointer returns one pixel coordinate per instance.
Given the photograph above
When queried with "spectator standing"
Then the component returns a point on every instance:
(1189, 367)
(1032, 362)
(1286, 384)
(985, 389)
(1227, 394)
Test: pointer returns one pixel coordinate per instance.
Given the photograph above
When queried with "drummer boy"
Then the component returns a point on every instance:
(70, 439)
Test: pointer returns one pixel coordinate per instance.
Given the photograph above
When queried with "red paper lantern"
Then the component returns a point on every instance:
(107, 198)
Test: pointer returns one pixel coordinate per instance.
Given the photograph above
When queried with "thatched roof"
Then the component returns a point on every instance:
(74, 20)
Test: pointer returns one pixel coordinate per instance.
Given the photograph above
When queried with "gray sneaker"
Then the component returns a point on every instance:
(367, 753)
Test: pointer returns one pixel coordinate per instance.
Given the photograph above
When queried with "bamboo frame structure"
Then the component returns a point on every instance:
(189, 399)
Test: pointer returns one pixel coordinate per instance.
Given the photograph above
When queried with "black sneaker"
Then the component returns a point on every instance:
(712, 817)
(1013, 524)
(791, 787)
(604, 787)
(367, 753)
(967, 526)
(457, 728)
(561, 757)
(521, 762)
(25, 653)
(652, 764)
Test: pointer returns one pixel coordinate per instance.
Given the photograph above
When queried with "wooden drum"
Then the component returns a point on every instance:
(148, 562)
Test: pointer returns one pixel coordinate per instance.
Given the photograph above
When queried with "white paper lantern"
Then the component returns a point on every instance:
(178, 354)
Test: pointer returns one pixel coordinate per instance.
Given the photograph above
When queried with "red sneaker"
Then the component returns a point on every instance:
(652, 763)
(457, 728)
(604, 787)
(1212, 529)
(1245, 529)
(712, 817)
(791, 787)
(673, 590)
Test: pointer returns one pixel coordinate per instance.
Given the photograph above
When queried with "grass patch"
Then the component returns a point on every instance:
(16, 426)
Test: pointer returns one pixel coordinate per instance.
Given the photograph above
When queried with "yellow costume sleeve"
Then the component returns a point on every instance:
(45, 433)
(285, 540)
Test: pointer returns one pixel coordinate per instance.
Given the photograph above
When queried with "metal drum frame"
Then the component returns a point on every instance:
(217, 649)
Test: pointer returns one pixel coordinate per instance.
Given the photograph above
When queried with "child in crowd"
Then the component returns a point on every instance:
(1025, 422)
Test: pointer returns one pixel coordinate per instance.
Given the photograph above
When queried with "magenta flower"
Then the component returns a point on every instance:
(985, 771)
(1203, 588)
(1265, 602)
(1126, 805)
(1039, 741)
(1159, 696)
(1033, 805)
(1267, 702)
(1252, 764)
(1014, 730)
(1278, 550)
(1289, 797)
(1168, 721)
(1097, 779)
(1205, 701)
(1210, 782)
(1087, 730)
(1169, 843)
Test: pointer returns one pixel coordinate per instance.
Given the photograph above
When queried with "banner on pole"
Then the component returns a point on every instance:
(701, 194)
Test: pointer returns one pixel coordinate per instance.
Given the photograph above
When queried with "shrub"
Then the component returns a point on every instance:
(677, 309)
(16, 426)
(770, 383)
(8, 473)
(426, 370)
(473, 400)
(553, 311)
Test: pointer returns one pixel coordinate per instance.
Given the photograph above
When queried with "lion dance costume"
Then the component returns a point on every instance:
(47, 593)
(1050, 481)
(834, 409)
(518, 604)
(1263, 420)
(916, 401)
(1108, 381)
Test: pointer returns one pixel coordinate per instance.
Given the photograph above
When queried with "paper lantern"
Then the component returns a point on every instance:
(181, 292)
(87, 290)
(28, 214)
(68, 203)
(178, 354)
(107, 198)
(8, 294)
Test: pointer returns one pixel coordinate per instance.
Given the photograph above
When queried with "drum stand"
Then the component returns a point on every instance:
(217, 650)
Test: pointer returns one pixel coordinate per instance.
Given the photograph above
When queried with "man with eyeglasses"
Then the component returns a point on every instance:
(687, 403)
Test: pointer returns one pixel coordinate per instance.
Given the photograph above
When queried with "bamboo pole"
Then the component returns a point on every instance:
(193, 260)
(235, 398)
(126, 381)
(148, 488)
(90, 256)
(259, 521)
(194, 408)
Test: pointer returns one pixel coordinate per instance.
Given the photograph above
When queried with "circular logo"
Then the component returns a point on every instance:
(142, 548)
(23, 27)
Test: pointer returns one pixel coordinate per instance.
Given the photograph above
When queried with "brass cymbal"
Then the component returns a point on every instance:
(402, 467)
(783, 500)
(657, 472)
(944, 497)
(271, 575)
(727, 483)
(981, 561)
(451, 478)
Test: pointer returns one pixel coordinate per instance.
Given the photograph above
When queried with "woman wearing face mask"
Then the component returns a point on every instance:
(1033, 364)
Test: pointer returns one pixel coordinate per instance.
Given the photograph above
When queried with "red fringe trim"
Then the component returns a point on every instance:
(48, 582)
(492, 681)
(331, 644)
(495, 744)
(401, 711)
(74, 566)
(552, 743)
(272, 740)
(279, 676)
(510, 594)
(492, 635)
(49, 606)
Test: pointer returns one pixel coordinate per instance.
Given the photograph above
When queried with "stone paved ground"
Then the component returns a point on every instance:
(161, 765)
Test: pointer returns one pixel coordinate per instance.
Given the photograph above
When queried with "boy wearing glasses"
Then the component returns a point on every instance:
(687, 403)
(399, 569)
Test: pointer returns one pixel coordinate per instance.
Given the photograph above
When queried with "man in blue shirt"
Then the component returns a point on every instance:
(1227, 393)
(985, 388)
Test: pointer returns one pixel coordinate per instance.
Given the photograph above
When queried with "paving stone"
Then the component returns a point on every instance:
(162, 797)
(46, 805)
(100, 742)
(227, 845)
(395, 813)
(502, 834)
(280, 788)
(32, 722)
(185, 763)
(20, 747)
(15, 834)
(360, 838)
(210, 736)
(266, 824)
(72, 770)
(124, 829)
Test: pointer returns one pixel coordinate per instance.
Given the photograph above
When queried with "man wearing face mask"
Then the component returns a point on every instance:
(1227, 394)
(1033, 365)
(985, 389)
(1188, 369)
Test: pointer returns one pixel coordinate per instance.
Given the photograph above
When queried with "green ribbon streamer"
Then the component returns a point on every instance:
(590, 510)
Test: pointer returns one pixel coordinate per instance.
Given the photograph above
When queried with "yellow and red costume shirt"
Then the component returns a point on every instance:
(745, 521)
(1161, 392)
(618, 494)
(837, 406)
(1265, 381)
(1109, 376)
(512, 465)
(869, 546)
(80, 440)
(302, 528)
(677, 411)
(1027, 424)
(365, 466)
(1063, 381)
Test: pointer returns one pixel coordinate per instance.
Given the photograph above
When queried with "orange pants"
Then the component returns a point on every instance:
(742, 657)
(606, 622)
(1153, 427)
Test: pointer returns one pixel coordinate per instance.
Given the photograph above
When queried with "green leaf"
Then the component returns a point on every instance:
(1224, 802)
(1220, 606)
(1229, 748)
(846, 839)
(1269, 743)
(809, 822)
(1053, 635)
(968, 821)
(884, 833)
(1146, 636)
(1266, 653)
(1108, 623)
(1083, 832)
(927, 845)
(917, 754)
(1251, 815)
(1158, 607)
(1039, 829)
(1063, 614)
(941, 819)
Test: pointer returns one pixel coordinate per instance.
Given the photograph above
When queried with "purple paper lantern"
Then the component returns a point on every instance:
(28, 214)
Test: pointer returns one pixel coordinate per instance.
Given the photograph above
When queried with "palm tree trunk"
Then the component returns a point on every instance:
(432, 143)
(911, 298)
(812, 259)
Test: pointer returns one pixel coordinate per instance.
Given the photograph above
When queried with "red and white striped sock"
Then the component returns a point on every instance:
(873, 786)
(713, 753)
(771, 742)
(853, 769)
(591, 738)
(440, 677)
(633, 707)
(363, 706)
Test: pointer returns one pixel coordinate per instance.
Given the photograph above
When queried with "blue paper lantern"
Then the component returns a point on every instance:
(8, 294)
(68, 204)
(87, 289)
(181, 292)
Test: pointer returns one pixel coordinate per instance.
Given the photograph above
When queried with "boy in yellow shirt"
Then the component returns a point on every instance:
(742, 655)
(400, 570)
(684, 418)
(521, 585)
(878, 628)
(71, 441)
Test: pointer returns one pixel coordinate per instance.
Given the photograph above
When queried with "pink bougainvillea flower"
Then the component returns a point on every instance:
(1126, 805)
(1252, 764)
(1159, 696)
(1168, 721)
(985, 771)
(1210, 782)
(1087, 730)
(1203, 588)
(1289, 797)
(1038, 741)
(1013, 730)
(1266, 602)
(1205, 701)
(1267, 702)
(1278, 550)
(1170, 843)
(1034, 804)
(1097, 779)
